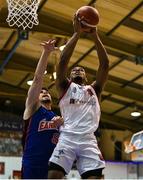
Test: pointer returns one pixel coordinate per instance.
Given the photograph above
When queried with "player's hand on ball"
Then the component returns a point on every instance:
(77, 24)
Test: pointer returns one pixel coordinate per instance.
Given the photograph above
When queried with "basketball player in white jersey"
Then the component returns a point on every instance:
(80, 109)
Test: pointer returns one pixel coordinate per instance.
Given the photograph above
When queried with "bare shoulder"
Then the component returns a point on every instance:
(62, 86)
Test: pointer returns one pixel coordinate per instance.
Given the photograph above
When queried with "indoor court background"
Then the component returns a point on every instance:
(121, 31)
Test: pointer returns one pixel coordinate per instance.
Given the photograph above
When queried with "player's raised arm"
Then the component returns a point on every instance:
(102, 73)
(32, 101)
(62, 68)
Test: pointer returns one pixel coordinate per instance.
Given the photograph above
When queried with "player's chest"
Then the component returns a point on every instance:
(80, 92)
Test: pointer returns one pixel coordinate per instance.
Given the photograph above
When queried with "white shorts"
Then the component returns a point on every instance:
(82, 148)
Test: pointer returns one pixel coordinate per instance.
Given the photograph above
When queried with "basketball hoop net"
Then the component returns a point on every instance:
(22, 13)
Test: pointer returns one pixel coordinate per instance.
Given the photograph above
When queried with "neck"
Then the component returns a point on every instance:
(47, 106)
(78, 81)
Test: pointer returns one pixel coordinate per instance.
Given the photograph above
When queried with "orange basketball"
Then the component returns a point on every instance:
(89, 16)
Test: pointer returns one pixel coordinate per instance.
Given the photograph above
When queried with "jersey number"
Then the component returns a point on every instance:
(55, 138)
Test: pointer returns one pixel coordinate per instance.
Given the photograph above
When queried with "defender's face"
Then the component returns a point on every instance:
(45, 96)
(78, 72)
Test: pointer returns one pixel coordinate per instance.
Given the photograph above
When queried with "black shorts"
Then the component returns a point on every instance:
(97, 173)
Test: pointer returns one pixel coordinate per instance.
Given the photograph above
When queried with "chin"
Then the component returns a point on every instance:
(45, 101)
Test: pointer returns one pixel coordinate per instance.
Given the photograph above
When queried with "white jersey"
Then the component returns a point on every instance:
(80, 109)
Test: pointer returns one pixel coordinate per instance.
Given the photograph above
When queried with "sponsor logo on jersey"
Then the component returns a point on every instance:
(74, 90)
(78, 101)
(45, 125)
(90, 100)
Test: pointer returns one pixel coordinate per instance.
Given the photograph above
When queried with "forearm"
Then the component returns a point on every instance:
(62, 81)
(42, 64)
(102, 72)
(68, 50)
(32, 101)
(36, 86)
(101, 51)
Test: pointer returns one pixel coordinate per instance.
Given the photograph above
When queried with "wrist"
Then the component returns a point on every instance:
(95, 36)
(46, 51)
(76, 33)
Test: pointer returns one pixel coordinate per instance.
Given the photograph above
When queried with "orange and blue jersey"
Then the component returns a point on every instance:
(40, 138)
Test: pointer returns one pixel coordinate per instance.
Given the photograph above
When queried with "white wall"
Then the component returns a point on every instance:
(11, 163)
(116, 170)
(113, 170)
(120, 170)
(140, 169)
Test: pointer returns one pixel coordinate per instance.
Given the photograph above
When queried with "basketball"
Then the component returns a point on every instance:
(88, 15)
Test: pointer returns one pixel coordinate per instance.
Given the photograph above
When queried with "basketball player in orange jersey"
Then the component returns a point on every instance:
(80, 109)
(41, 128)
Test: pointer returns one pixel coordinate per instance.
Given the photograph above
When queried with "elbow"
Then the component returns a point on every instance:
(105, 64)
(106, 61)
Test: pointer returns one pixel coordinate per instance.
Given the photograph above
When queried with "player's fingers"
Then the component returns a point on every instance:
(53, 41)
(48, 41)
(42, 44)
(80, 19)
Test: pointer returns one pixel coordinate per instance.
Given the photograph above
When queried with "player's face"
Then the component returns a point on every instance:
(78, 72)
(44, 96)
